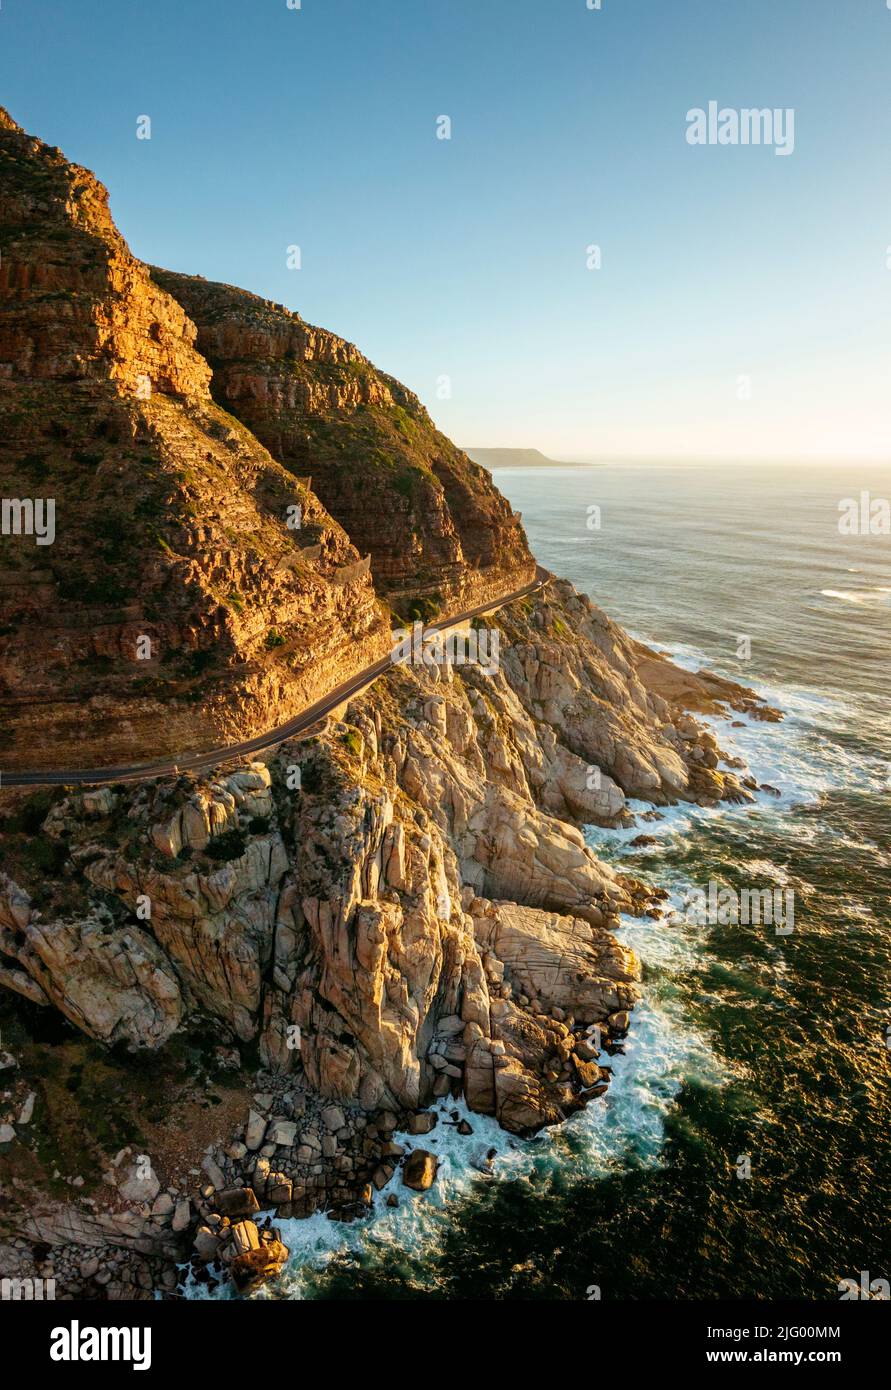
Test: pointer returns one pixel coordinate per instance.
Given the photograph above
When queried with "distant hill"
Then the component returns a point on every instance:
(512, 458)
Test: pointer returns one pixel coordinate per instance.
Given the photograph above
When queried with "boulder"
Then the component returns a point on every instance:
(99, 801)
(236, 1201)
(254, 1131)
(255, 1266)
(423, 1122)
(282, 1133)
(207, 1244)
(182, 1215)
(419, 1170)
(137, 1182)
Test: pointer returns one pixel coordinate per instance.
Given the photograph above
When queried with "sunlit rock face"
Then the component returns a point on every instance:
(193, 591)
(436, 527)
(408, 893)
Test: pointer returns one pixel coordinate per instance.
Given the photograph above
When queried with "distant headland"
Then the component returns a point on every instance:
(518, 458)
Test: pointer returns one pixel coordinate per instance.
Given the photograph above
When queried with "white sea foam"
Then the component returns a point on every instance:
(662, 1051)
(626, 1126)
(861, 597)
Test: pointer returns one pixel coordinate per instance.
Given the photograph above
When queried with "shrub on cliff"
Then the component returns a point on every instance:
(230, 845)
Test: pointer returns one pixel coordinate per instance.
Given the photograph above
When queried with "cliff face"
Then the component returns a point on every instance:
(178, 604)
(396, 913)
(437, 529)
(399, 911)
(419, 862)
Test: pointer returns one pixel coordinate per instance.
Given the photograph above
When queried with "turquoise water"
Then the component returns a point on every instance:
(749, 1052)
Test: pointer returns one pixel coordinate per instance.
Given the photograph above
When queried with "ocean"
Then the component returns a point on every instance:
(744, 1147)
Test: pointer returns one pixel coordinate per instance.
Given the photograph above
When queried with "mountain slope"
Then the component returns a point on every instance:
(433, 522)
(171, 520)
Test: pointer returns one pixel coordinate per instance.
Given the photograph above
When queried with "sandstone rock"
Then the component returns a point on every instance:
(236, 1201)
(258, 1264)
(419, 1170)
(291, 382)
(423, 1122)
(105, 358)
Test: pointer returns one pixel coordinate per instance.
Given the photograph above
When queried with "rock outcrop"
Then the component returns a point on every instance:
(409, 895)
(440, 535)
(398, 911)
(194, 591)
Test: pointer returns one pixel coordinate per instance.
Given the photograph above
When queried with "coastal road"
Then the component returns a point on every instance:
(193, 762)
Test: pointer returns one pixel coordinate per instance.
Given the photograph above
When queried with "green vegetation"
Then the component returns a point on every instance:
(419, 609)
(31, 814)
(354, 741)
(230, 845)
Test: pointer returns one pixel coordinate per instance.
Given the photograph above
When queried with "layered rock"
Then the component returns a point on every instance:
(399, 910)
(439, 533)
(194, 592)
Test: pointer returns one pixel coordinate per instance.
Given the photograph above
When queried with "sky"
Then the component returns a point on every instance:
(741, 307)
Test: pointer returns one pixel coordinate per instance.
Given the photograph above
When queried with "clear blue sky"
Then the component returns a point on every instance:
(466, 257)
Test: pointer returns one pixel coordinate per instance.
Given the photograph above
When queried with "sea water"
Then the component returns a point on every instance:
(744, 1145)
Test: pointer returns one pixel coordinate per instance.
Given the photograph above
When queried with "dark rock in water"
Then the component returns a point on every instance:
(588, 1072)
(640, 841)
(254, 1267)
(423, 1122)
(419, 1170)
(465, 1128)
(766, 787)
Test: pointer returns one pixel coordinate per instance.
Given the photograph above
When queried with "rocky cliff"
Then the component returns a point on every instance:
(234, 991)
(439, 533)
(395, 912)
(194, 591)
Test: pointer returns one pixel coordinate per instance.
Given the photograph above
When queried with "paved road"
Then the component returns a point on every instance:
(298, 725)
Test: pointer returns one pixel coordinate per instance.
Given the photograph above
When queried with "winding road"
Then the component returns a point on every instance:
(298, 725)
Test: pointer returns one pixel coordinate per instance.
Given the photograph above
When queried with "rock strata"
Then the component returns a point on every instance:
(373, 929)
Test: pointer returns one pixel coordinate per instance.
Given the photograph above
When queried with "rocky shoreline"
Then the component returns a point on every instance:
(224, 995)
(410, 917)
